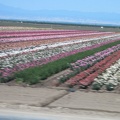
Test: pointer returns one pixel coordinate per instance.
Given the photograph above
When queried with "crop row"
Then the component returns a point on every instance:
(23, 56)
(91, 60)
(34, 34)
(56, 44)
(45, 32)
(36, 74)
(43, 37)
(11, 28)
(100, 67)
(86, 77)
(38, 60)
(81, 65)
(11, 64)
(108, 78)
(37, 43)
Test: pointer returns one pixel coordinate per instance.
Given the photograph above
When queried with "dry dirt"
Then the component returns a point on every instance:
(59, 101)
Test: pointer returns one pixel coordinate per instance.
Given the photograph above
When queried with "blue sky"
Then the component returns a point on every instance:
(86, 11)
(110, 6)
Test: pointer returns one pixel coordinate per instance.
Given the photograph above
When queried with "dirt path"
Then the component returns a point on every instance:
(93, 101)
(17, 95)
(55, 100)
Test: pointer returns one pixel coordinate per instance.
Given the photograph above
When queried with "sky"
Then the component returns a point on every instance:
(105, 10)
(109, 6)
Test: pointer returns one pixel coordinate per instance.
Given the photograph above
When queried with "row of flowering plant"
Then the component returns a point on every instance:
(107, 78)
(90, 60)
(44, 33)
(34, 57)
(11, 67)
(102, 66)
(15, 28)
(72, 43)
(43, 37)
(12, 58)
(86, 77)
(32, 43)
(80, 44)
(51, 67)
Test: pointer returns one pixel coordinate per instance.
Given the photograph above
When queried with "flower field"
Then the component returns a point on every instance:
(98, 70)
(31, 55)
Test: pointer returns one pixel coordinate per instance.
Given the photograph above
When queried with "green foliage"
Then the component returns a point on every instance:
(6, 79)
(96, 86)
(68, 76)
(63, 79)
(34, 81)
(19, 80)
(110, 87)
(3, 80)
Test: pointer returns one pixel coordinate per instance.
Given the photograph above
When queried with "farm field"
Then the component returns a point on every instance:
(31, 56)
(73, 72)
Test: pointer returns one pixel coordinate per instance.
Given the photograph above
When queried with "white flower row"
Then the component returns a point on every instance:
(109, 77)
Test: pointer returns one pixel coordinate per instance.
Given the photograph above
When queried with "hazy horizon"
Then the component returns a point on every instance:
(77, 11)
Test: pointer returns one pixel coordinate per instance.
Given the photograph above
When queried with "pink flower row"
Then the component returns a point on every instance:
(23, 34)
(45, 31)
(43, 37)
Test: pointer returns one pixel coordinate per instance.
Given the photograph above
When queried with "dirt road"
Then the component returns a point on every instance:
(59, 104)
